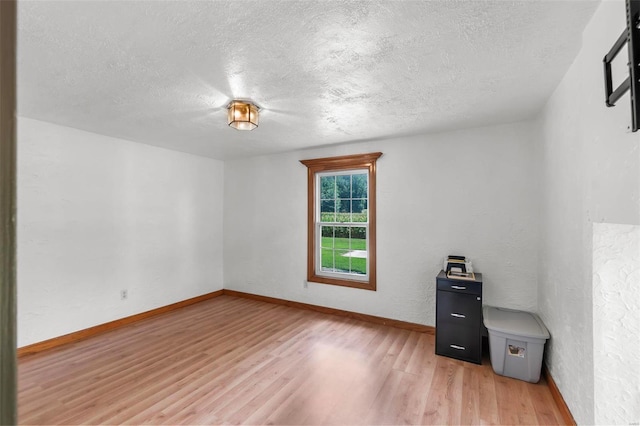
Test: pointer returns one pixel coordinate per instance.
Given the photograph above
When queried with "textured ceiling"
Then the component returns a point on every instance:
(324, 72)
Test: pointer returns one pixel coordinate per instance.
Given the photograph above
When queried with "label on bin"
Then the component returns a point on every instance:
(514, 350)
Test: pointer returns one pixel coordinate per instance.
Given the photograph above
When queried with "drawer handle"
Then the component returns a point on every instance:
(458, 315)
(458, 287)
(460, 348)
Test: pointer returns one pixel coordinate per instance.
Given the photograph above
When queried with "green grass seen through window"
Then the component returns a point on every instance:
(341, 246)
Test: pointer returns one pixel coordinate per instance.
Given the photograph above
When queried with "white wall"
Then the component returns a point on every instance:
(590, 165)
(97, 215)
(470, 192)
(616, 323)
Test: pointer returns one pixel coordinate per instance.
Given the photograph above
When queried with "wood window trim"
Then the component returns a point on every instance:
(345, 162)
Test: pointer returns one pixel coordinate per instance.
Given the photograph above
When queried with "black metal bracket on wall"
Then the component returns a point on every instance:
(631, 37)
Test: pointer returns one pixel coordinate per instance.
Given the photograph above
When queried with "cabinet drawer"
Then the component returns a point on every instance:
(459, 342)
(460, 286)
(458, 308)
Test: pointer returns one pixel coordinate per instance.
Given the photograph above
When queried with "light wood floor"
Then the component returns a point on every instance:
(231, 360)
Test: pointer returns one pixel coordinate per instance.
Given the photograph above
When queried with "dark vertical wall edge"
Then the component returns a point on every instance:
(8, 375)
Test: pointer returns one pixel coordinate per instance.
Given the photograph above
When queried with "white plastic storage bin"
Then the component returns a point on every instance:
(516, 342)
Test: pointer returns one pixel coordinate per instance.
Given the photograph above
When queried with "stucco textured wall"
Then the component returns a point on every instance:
(616, 323)
(470, 192)
(590, 165)
(97, 215)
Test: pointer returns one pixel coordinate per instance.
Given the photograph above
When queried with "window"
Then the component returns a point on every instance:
(341, 246)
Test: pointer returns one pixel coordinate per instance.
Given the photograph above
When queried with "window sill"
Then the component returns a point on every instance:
(364, 285)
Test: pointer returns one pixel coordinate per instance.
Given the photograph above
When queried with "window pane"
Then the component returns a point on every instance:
(359, 213)
(327, 236)
(359, 265)
(359, 186)
(327, 260)
(343, 261)
(343, 186)
(359, 250)
(343, 210)
(328, 187)
(342, 234)
(358, 238)
(344, 205)
(327, 209)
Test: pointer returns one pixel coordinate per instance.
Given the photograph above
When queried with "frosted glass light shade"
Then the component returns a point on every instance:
(243, 115)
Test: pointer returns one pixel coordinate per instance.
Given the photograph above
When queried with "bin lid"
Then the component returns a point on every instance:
(519, 323)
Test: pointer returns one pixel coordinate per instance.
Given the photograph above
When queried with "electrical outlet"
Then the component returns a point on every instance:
(123, 294)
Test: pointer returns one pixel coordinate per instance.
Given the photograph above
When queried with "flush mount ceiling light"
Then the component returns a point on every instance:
(243, 115)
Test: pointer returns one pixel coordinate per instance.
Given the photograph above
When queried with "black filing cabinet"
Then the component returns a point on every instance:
(459, 318)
